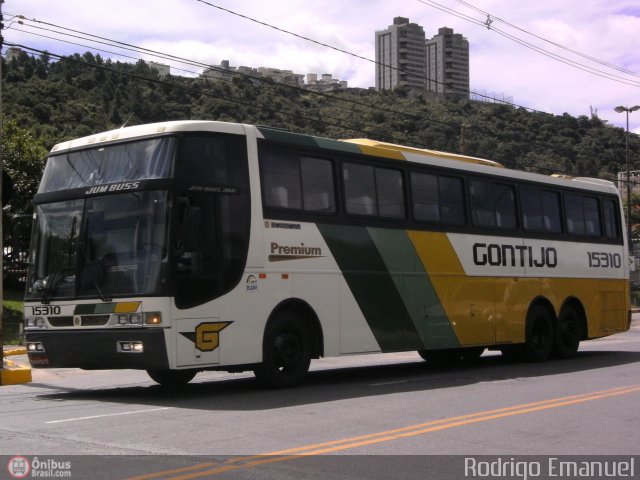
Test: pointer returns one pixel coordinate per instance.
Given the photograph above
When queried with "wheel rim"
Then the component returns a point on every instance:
(287, 351)
(569, 331)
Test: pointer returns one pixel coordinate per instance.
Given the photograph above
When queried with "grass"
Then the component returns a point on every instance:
(12, 317)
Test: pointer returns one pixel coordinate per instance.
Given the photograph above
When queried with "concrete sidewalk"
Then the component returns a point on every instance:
(14, 373)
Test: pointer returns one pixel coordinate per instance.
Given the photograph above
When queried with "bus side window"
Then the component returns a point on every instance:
(611, 223)
(592, 217)
(390, 193)
(297, 183)
(360, 190)
(493, 204)
(540, 210)
(318, 193)
(425, 194)
(281, 180)
(583, 215)
(451, 200)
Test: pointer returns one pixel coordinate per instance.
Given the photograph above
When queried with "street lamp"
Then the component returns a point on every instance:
(626, 142)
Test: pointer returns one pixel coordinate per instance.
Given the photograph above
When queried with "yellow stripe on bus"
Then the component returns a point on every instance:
(489, 310)
(127, 307)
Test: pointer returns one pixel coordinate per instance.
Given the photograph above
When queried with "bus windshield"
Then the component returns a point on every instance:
(100, 246)
(123, 162)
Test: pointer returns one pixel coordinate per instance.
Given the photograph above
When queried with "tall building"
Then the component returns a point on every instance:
(400, 56)
(447, 64)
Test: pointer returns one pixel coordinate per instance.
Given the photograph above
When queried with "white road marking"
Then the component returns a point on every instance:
(109, 415)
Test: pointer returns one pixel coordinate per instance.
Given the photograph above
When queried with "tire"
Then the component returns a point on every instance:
(441, 357)
(568, 333)
(172, 378)
(539, 335)
(286, 352)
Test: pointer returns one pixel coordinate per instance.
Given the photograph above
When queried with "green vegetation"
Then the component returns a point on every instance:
(84, 94)
(12, 316)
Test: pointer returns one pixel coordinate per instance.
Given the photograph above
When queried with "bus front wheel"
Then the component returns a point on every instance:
(286, 352)
(172, 378)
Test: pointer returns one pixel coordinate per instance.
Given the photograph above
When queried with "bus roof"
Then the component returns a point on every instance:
(357, 145)
(374, 144)
(150, 129)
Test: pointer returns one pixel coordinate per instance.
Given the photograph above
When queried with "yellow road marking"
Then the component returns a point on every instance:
(237, 463)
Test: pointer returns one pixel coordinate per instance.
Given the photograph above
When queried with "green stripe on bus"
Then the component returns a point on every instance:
(415, 288)
(372, 287)
(298, 139)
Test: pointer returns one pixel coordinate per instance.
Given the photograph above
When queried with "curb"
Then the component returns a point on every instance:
(13, 373)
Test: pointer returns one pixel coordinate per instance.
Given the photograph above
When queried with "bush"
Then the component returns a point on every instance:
(12, 316)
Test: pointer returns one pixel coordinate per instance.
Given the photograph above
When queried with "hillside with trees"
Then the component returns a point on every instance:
(47, 101)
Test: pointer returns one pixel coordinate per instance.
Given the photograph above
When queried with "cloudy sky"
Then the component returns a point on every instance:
(598, 36)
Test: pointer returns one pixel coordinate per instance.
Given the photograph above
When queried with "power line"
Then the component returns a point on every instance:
(575, 52)
(488, 24)
(346, 52)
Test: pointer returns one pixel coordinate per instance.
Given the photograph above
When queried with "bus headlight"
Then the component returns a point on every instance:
(136, 319)
(130, 347)
(35, 347)
(152, 318)
(35, 322)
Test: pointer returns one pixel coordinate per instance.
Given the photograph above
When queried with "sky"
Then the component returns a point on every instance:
(597, 35)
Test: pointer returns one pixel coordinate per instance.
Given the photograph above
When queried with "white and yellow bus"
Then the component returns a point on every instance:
(194, 245)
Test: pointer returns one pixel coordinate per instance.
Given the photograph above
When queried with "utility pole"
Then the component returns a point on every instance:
(1, 177)
(627, 110)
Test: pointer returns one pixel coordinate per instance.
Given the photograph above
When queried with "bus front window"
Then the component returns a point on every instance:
(124, 248)
(110, 245)
(53, 259)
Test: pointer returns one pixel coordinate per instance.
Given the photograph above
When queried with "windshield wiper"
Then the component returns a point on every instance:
(56, 277)
(105, 298)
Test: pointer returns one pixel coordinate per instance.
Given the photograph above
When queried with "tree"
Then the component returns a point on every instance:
(23, 160)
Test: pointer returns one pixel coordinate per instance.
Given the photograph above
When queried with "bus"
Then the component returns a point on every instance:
(185, 246)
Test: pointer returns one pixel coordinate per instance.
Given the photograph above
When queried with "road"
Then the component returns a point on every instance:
(373, 416)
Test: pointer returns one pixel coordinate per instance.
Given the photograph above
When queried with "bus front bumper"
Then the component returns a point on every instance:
(140, 348)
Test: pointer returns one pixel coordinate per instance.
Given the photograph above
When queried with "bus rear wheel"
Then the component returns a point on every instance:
(286, 352)
(172, 378)
(567, 338)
